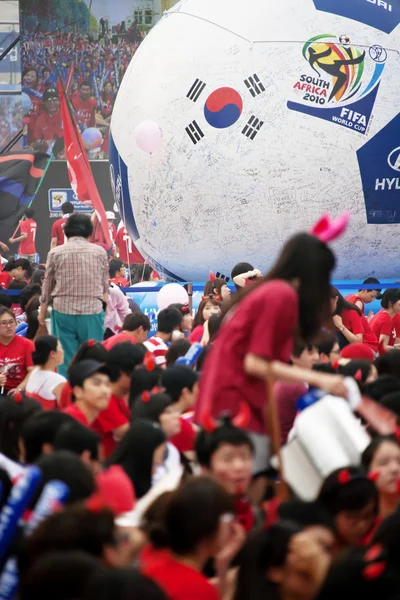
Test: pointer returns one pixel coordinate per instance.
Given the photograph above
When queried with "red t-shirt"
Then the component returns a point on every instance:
(85, 110)
(369, 337)
(352, 320)
(57, 231)
(383, 324)
(109, 419)
(5, 279)
(354, 299)
(178, 581)
(118, 338)
(66, 396)
(263, 323)
(48, 127)
(197, 334)
(184, 440)
(17, 357)
(287, 394)
(27, 246)
(73, 411)
(127, 250)
(120, 282)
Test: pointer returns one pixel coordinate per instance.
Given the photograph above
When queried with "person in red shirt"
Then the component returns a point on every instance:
(383, 324)
(85, 106)
(181, 384)
(257, 337)
(15, 355)
(117, 271)
(91, 388)
(363, 297)
(352, 324)
(208, 307)
(49, 127)
(28, 228)
(111, 225)
(57, 230)
(199, 525)
(127, 250)
(135, 330)
(113, 422)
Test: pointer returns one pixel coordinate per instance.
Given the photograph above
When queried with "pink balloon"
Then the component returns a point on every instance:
(172, 293)
(148, 136)
(92, 138)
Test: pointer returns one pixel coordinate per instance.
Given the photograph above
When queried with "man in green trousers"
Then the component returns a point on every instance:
(76, 285)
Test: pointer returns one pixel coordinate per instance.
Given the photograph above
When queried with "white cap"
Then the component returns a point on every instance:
(110, 214)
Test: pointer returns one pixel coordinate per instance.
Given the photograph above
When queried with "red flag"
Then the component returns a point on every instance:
(79, 170)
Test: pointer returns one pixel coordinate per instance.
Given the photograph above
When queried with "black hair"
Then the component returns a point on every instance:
(6, 486)
(384, 385)
(20, 262)
(41, 429)
(77, 438)
(85, 83)
(177, 349)
(324, 368)
(134, 454)
(28, 293)
(390, 297)
(136, 320)
(306, 514)
(123, 584)
(144, 380)
(168, 319)
(37, 278)
(207, 443)
(68, 468)
(13, 416)
(352, 495)
(192, 515)
(392, 402)
(239, 269)
(92, 350)
(150, 409)
(78, 225)
(342, 303)
(306, 259)
(300, 346)
(75, 528)
(141, 272)
(5, 300)
(351, 368)
(371, 281)
(214, 324)
(61, 575)
(44, 345)
(389, 364)
(114, 266)
(264, 549)
(124, 358)
(327, 343)
(183, 308)
(369, 453)
(67, 208)
(29, 212)
(7, 311)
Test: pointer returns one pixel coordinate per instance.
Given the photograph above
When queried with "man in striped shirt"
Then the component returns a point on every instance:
(169, 320)
(76, 285)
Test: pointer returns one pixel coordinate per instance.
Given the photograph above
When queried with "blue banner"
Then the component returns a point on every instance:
(11, 63)
(380, 14)
(57, 197)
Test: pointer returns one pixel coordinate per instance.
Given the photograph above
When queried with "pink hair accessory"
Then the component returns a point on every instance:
(327, 230)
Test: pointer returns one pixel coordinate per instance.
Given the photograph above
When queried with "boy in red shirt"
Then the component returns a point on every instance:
(57, 230)
(363, 297)
(91, 388)
(181, 384)
(117, 272)
(135, 330)
(28, 227)
(127, 250)
(85, 105)
(15, 354)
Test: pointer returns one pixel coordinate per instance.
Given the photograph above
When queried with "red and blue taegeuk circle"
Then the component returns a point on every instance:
(223, 107)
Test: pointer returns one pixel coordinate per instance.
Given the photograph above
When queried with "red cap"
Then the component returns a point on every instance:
(358, 351)
(116, 489)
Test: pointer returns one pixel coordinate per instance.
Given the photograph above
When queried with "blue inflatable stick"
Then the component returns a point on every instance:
(191, 356)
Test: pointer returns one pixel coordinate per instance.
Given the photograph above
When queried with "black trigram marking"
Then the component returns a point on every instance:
(254, 85)
(195, 90)
(222, 276)
(252, 127)
(194, 132)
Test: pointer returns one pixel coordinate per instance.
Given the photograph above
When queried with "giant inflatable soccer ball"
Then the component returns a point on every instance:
(272, 112)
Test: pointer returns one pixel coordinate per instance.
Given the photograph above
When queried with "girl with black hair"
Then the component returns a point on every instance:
(382, 461)
(257, 337)
(384, 323)
(13, 415)
(139, 453)
(195, 525)
(208, 307)
(45, 384)
(123, 584)
(352, 500)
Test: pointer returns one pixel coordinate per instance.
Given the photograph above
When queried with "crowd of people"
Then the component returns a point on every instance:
(92, 68)
(174, 490)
